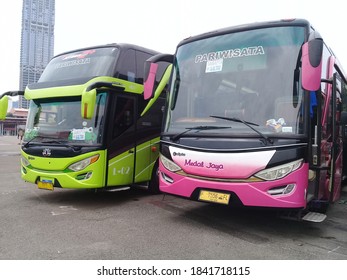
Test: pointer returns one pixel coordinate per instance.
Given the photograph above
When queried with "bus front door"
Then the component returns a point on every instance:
(121, 152)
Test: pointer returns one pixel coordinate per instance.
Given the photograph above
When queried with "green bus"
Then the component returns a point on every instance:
(88, 125)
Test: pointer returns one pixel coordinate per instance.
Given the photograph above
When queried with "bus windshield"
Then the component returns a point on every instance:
(81, 64)
(238, 80)
(59, 120)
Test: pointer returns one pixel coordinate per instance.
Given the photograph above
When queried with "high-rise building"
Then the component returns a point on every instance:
(37, 42)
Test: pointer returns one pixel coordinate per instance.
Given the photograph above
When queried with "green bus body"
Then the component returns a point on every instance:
(115, 144)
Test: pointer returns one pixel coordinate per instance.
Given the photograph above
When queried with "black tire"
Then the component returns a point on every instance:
(320, 206)
(153, 186)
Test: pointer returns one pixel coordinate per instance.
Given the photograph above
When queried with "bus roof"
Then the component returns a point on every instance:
(243, 27)
(119, 45)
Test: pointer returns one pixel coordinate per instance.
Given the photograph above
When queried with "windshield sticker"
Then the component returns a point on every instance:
(79, 58)
(78, 134)
(287, 129)
(225, 54)
(83, 134)
(214, 66)
(79, 55)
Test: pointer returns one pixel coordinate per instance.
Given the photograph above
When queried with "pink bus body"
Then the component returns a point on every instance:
(255, 118)
(248, 193)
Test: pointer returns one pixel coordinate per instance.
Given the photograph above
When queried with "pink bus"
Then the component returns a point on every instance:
(254, 118)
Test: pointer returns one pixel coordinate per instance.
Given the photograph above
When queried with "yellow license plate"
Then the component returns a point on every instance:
(45, 185)
(217, 197)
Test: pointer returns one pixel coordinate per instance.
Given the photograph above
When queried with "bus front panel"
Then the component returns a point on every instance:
(80, 172)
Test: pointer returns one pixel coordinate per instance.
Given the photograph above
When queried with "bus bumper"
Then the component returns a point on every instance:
(255, 194)
(46, 177)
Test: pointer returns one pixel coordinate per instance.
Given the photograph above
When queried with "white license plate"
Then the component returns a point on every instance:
(217, 197)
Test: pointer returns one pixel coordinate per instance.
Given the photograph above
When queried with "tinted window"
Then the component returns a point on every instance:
(81, 64)
(127, 67)
(124, 115)
(141, 57)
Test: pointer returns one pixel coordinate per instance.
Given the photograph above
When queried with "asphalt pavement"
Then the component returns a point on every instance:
(133, 225)
(9, 145)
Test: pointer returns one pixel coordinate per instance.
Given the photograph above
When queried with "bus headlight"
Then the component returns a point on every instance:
(279, 172)
(25, 162)
(80, 165)
(169, 164)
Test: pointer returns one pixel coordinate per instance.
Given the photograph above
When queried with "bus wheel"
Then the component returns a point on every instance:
(319, 206)
(153, 186)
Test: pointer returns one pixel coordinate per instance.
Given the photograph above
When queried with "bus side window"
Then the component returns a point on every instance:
(141, 57)
(127, 69)
(124, 115)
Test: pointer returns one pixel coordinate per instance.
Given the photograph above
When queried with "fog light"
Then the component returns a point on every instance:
(84, 176)
(167, 178)
(282, 190)
(289, 188)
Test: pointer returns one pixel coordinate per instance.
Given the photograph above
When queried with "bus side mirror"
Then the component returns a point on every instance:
(4, 102)
(3, 107)
(163, 82)
(312, 64)
(150, 72)
(88, 103)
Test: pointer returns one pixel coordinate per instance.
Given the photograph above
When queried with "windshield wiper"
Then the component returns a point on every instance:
(26, 145)
(197, 128)
(249, 124)
(53, 140)
(64, 143)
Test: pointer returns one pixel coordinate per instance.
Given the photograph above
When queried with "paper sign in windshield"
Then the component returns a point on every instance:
(214, 66)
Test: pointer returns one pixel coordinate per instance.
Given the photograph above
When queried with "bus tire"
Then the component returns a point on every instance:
(153, 186)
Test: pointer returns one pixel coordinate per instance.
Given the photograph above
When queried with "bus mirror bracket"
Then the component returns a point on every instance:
(4, 102)
(88, 103)
(89, 96)
(3, 107)
(312, 62)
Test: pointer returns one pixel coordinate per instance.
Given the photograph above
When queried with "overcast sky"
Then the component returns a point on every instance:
(159, 24)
